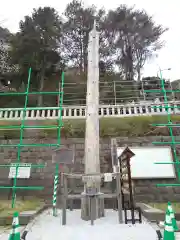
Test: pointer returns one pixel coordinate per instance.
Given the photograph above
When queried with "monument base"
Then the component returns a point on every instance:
(92, 207)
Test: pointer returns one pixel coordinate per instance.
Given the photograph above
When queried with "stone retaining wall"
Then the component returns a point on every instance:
(144, 190)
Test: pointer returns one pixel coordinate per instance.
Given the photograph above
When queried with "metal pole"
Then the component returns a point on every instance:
(57, 96)
(21, 140)
(173, 95)
(130, 191)
(114, 86)
(65, 193)
(92, 209)
(144, 94)
(119, 197)
(162, 70)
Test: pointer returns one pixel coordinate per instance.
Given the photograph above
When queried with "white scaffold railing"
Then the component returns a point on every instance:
(79, 112)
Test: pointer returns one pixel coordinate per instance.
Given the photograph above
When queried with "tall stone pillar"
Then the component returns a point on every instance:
(92, 161)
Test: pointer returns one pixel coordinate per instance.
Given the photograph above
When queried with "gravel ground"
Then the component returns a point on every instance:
(46, 226)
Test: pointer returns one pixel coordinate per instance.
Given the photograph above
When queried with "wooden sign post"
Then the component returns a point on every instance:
(125, 171)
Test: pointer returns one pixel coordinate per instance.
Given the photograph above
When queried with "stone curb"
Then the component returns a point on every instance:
(24, 217)
(25, 230)
(153, 214)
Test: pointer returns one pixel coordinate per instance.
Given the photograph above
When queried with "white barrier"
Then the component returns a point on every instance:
(75, 112)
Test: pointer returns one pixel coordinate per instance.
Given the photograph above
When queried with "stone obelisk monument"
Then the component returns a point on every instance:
(92, 162)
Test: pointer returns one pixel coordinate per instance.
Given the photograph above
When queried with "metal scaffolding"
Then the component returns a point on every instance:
(18, 165)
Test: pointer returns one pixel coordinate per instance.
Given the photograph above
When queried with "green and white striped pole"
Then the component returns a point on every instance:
(55, 190)
(15, 234)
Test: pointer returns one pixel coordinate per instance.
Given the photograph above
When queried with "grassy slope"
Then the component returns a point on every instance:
(163, 206)
(128, 126)
(26, 205)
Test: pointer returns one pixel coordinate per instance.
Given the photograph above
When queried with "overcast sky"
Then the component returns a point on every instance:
(164, 12)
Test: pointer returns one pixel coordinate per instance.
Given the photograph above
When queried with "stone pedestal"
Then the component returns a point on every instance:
(92, 206)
